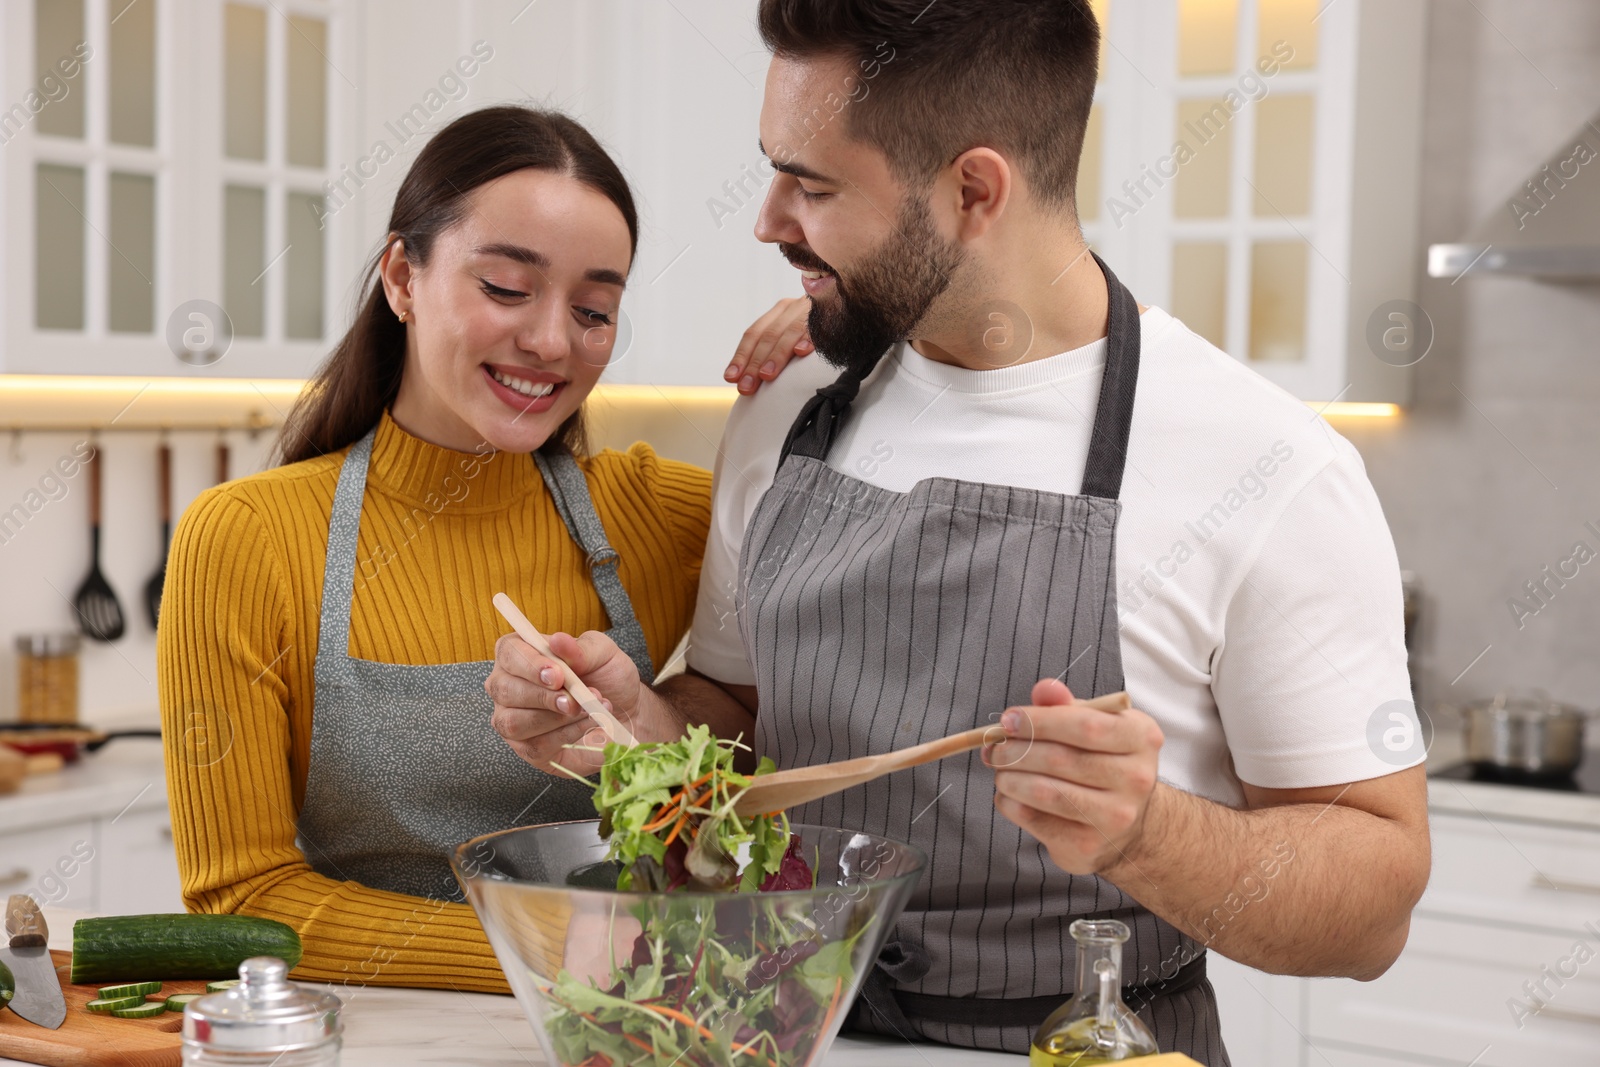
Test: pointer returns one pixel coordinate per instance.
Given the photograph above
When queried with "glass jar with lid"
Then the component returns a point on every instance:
(47, 677)
(263, 1020)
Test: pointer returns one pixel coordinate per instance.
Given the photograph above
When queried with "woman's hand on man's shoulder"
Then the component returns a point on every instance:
(770, 343)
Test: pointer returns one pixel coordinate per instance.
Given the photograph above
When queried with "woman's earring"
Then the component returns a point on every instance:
(403, 315)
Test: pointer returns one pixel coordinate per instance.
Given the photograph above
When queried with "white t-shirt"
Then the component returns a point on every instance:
(1259, 598)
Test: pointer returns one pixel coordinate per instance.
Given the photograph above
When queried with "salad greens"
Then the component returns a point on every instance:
(651, 797)
(712, 982)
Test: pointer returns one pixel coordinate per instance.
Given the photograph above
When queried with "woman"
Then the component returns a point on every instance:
(328, 625)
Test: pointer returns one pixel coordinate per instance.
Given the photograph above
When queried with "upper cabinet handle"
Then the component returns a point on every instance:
(1567, 1016)
(1561, 885)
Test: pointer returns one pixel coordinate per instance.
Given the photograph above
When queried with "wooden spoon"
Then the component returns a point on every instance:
(785, 789)
(613, 729)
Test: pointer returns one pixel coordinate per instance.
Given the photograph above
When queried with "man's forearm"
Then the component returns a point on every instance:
(691, 699)
(1302, 889)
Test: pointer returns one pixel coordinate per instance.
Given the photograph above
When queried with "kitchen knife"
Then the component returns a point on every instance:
(38, 998)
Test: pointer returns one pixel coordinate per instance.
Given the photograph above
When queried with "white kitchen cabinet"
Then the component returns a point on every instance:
(1328, 1056)
(1261, 1013)
(138, 867)
(274, 134)
(1451, 996)
(1500, 871)
(166, 159)
(57, 864)
(1508, 899)
(94, 836)
(1253, 167)
(1510, 903)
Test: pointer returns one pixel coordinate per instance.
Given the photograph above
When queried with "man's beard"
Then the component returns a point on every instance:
(889, 292)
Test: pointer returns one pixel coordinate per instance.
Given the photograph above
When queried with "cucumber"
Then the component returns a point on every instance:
(106, 1005)
(179, 1001)
(217, 987)
(8, 986)
(131, 989)
(126, 947)
(143, 1011)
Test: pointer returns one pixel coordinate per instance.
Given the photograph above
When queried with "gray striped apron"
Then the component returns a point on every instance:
(877, 620)
(404, 763)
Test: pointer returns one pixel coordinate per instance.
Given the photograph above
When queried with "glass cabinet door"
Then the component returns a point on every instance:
(168, 151)
(1243, 216)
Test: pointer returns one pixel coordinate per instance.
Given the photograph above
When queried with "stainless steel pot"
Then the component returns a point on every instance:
(1528, 735)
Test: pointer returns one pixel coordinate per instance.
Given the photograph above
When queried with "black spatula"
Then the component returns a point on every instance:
(99, 613)
(152, 588)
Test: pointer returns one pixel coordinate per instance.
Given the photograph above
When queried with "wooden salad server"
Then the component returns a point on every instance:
(785, 789)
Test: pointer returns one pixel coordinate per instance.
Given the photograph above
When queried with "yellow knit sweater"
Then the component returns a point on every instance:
(238, 640)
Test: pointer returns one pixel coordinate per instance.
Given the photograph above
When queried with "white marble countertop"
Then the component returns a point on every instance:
(386, 1027)
(126, 774)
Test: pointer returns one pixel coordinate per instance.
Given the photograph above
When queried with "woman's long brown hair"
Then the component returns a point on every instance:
(361, 377)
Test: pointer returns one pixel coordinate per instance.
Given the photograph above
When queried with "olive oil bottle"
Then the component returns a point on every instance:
(1095, 1026)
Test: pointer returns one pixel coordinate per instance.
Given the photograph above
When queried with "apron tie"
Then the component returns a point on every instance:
(898, 961)
(820, 418)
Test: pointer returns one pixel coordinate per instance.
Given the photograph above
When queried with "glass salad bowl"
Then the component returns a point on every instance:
(693, 979)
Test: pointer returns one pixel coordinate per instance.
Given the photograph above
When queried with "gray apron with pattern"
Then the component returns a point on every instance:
(404, 763)
(878, 620)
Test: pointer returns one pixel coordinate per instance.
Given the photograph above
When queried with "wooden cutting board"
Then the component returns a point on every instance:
(87, 1039)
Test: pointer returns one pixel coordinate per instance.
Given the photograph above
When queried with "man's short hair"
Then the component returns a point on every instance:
(934, 79)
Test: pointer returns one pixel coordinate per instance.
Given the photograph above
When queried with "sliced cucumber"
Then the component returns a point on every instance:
(106, 1005)
(179, 1001)
(120, 948)
(217, 987)
(129, 989)
(143, 1011)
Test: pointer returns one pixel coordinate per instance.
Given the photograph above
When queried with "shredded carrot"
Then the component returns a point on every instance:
(676, 827)
(745, 1048)
(670, 810)
(676, 803)
(678, 1016)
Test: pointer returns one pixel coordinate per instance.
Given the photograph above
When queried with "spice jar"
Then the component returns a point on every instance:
(47, 677)
(263, 1020)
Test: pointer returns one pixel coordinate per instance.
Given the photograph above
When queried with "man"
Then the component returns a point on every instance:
(946, 532)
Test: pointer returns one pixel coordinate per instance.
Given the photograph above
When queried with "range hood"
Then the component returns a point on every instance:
(1549, 226)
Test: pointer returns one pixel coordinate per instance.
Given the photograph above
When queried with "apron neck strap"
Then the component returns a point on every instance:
(1113, 417)
(822, 417)
(339, 571)
(570, 491)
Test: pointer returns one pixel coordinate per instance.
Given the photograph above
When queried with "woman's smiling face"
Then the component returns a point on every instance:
(513, 318)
